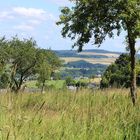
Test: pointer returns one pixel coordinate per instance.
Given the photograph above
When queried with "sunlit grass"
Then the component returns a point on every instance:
(63, 115)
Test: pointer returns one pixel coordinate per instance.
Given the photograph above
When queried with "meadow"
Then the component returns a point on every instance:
(56, 84)
(64, 115)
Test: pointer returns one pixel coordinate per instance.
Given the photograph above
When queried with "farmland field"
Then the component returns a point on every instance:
(103, 54)
(105, 61)
(86, 115)
(92, 56)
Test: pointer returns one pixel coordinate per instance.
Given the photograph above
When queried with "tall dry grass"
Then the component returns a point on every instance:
(63, 115)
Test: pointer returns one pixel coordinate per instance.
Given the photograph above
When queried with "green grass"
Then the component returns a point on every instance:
(57, 84)
(31, 84)
(62, 115)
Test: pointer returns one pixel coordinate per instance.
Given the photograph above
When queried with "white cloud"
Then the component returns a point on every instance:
(26, 13)
(6, 15)
(61, 2)
(24, 27)
(26, 18)
(28, 25)
(33, 13)
(34, 22)
(30, 12)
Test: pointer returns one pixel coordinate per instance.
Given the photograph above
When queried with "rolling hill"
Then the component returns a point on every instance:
(93, 56)
(86, 63)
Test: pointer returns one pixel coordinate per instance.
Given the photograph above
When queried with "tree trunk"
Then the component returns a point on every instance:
(18, 85)
(43, 85)
(133, 72)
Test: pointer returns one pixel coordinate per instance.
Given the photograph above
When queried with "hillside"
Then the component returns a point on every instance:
(86, 63)
(83, 64)
(94, 56)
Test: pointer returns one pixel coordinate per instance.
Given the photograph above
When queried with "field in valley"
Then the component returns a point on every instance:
(63, 115)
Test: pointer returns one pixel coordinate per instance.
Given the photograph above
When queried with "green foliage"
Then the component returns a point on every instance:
(70, 81)
(47, 64)
(4, 80)
(92, 19)
(22, 60)
(81, 72)
(43, 68)
(81, 84)
(117, 74)
(53, 60)
(56, 76)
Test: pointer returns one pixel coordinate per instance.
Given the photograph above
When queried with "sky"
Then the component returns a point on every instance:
(37, 19)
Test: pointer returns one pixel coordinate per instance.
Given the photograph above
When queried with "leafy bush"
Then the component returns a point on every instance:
(70, 81)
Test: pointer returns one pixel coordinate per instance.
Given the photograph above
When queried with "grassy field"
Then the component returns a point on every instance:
(62, 115)
(57, 84)
(104, 61)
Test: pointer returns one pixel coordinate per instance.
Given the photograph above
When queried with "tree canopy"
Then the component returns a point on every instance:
(22, 60)
(95, 19)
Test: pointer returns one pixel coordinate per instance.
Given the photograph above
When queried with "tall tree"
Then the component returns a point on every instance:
(43, 68)
(93, 20)
(44, 74)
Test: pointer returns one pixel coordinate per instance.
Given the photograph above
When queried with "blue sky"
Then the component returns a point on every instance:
(37, 18)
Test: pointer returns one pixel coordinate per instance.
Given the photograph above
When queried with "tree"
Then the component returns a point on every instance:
(43, 68)
(93, 20)
(23, 60)
(118, 73)
(48, 63)
(44, 74)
